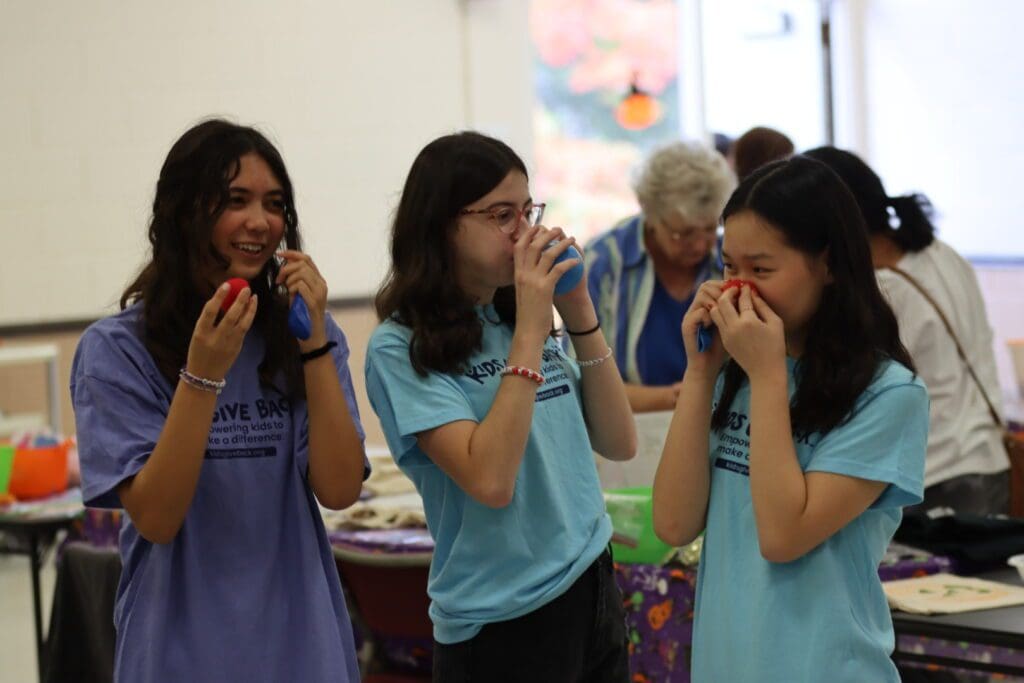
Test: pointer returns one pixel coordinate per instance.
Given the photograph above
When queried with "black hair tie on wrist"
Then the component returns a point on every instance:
(316, 353)
(584, 333)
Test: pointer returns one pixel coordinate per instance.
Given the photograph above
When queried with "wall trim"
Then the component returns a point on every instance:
(79, 324)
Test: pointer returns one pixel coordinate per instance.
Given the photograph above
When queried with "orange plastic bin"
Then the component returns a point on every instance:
(39, 472)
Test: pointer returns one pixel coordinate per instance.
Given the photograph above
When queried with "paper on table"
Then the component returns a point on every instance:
(947, 593)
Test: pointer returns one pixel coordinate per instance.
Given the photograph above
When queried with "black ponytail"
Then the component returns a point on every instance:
(915, 230)
(905, 220)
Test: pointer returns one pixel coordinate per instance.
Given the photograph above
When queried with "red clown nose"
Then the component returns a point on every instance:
(729, 284)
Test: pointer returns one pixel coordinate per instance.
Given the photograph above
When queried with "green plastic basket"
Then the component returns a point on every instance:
(630, 510)
(6, 462)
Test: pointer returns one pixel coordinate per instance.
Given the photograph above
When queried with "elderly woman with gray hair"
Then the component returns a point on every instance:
(643, 273)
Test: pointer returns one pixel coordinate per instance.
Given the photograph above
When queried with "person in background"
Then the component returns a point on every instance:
(722, 143)
(643, 273)
(219, 432)
(757, 147)
(496, 425)
(967, 468)
(798, 438)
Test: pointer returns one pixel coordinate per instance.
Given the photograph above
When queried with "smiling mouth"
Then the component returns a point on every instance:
(249, 248)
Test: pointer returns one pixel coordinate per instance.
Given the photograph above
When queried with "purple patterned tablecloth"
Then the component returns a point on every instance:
(98, 527)
(384, 541)
(659, 611)
(659, 618)
(912, 565)
(974, 652)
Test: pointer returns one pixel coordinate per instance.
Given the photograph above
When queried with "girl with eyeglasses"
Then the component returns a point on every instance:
(495, 425)
(219, 432)
(798, 437)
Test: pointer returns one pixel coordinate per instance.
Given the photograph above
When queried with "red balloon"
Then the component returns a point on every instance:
(236, 284)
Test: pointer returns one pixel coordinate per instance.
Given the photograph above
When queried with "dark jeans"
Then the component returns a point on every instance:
(972, 494)
(579, 637)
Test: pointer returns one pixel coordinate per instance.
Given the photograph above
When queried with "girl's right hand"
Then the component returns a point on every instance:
(711, 360)
(215, 345)
(536, 275)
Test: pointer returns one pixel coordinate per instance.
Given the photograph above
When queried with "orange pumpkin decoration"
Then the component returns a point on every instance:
(659, 614)
(638, 111)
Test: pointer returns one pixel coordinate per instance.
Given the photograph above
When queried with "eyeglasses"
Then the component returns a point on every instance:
(506, 218)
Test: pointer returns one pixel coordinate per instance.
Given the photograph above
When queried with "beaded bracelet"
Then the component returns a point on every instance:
(595, 361)
(212, 385)
(523, 372)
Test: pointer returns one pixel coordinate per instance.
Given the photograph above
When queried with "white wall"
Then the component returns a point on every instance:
(931, 93)
(94, 93)
(934, 99)
(760, 72)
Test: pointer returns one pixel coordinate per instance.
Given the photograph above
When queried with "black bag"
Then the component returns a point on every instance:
(977, 544)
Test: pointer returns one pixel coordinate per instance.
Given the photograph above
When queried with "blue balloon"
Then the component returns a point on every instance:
(705, 337)
(569, 280)
(299, 323)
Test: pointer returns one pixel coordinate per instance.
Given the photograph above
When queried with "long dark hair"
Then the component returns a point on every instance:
(419, 290)
(853, 329)
(191, 194)
(912, 228)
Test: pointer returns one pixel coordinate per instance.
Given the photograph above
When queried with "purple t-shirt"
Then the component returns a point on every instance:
(248, 589)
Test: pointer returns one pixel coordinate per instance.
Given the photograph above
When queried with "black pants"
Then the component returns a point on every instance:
(579, 637)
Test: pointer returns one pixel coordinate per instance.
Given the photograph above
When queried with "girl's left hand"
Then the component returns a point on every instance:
(752, 333)
(301, 276)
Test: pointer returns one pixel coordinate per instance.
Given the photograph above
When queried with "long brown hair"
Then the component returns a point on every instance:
(191, 194)
(419, 291)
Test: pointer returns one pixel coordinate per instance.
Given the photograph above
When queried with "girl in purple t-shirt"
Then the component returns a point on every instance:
(218, 431)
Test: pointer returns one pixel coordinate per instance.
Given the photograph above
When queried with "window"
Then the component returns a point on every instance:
(587, 55)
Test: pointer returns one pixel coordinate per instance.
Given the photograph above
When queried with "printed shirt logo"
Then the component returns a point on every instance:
(732, 450)
(248, 430)
(556, 381)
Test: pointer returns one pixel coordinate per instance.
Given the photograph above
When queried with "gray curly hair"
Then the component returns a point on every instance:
(685, 178)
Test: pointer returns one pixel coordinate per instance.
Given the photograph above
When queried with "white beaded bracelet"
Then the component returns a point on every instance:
(212, 385)
(595, 361)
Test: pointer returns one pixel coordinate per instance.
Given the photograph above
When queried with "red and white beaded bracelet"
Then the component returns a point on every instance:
(523, 372)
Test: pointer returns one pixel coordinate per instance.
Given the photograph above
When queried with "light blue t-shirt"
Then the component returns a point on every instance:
(823, 616)
(248, 589)
(493, 564)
